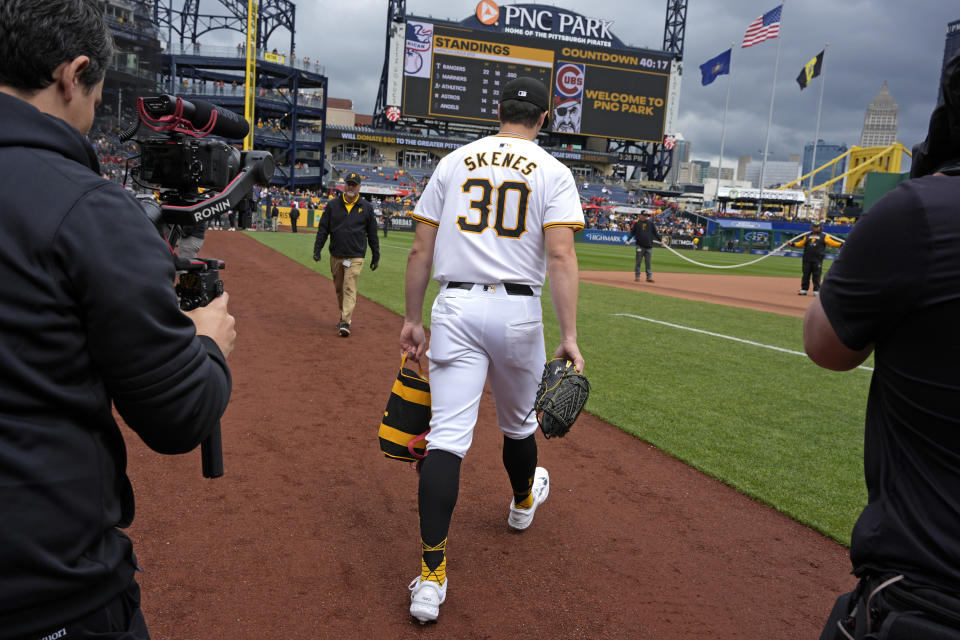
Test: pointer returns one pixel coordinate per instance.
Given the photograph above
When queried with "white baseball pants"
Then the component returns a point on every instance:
(477, 335)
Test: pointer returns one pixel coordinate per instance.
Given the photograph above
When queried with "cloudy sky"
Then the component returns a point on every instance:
(895, 41)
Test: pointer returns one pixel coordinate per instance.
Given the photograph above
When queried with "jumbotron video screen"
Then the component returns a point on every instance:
(598, 86)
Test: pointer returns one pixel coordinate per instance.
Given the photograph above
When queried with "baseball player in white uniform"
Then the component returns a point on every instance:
(494, 215)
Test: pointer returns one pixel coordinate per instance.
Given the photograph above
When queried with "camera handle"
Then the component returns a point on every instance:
(211, 453)
(258, 168)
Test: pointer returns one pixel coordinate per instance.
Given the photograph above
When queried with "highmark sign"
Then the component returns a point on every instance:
(603, 236)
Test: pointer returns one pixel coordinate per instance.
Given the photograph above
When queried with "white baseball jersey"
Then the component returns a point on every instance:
(490, 201)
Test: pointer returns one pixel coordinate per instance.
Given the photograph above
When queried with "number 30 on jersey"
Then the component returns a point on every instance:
(485, 201)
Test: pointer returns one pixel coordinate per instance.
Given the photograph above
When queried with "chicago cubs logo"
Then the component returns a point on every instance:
(488, 12)
(570, 80)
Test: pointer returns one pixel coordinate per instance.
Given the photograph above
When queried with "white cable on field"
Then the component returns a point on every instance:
(733, 266)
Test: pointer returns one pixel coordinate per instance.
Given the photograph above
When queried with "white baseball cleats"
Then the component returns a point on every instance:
(520, 519)
(426, 596)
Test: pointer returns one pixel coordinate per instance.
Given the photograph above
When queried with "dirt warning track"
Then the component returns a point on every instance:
(312, 533)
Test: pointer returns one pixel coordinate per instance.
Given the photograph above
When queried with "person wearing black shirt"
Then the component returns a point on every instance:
(294, 215)
(387, 221)
(814, 245)
(89, 325)
(350, 223)
(894, 291)
(645, 232)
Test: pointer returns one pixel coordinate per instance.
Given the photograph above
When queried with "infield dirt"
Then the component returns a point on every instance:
(312, 533)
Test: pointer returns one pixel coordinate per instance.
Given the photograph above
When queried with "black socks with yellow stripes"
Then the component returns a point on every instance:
(439, 488)
(520, 461)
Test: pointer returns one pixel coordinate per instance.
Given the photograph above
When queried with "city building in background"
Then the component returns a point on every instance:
(776, 173)
(826, 151)
(681, 153)
(742, 163)
(712, 171)
(880, 121)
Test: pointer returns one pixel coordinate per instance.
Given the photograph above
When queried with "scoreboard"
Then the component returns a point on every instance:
(467, 75)
(598, 87)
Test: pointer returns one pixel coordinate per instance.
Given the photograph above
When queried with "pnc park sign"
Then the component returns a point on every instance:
(543, 21)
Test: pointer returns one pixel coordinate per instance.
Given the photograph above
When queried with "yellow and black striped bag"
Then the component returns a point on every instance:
(406, 421)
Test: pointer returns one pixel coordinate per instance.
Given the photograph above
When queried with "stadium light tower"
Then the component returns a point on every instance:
(396, 15)
(189, 24)
(674, 31)
(676, 27)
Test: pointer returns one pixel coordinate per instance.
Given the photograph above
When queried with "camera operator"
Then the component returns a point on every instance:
(88, 317)
(895, 291)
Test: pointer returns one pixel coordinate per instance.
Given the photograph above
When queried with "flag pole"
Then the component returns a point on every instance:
(816, 136)
(723, 127)
(773, 91)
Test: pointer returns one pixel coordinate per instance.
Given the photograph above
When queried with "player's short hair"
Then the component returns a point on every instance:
(519, 112)
(36, 36)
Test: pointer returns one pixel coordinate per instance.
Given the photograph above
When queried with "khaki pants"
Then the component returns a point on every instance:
(345, 282)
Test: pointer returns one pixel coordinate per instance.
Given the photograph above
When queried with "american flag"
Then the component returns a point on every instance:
(766, 27)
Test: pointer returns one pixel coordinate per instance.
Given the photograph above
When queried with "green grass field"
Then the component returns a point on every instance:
(769, 423)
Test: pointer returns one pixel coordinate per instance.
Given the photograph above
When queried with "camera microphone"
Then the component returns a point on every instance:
(228, 125)
(200, 114)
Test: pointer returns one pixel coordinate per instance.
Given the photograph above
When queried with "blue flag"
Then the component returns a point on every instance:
(715, 67)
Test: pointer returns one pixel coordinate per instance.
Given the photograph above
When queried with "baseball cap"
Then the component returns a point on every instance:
(352, 177)
(815, 223)
(527, 89)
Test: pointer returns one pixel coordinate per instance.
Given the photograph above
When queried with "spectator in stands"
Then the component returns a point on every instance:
(645, 232)
(350, 224)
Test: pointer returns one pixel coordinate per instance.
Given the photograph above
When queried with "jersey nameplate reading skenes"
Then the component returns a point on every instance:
(500, 159)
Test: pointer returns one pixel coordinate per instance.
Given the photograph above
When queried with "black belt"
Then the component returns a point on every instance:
(511, 288)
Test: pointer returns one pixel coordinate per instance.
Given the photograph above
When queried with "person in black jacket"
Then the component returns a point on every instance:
(294, 215)
(89, 322)
(814, 245)
(645, 232)
(350, 223)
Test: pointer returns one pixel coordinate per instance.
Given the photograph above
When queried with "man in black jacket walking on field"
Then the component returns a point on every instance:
(645, 232)
(89, 322)
(350, 223)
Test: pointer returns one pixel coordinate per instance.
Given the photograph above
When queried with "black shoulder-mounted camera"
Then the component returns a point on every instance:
(186, 180)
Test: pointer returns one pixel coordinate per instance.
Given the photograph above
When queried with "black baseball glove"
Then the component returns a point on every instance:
(561, 396)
